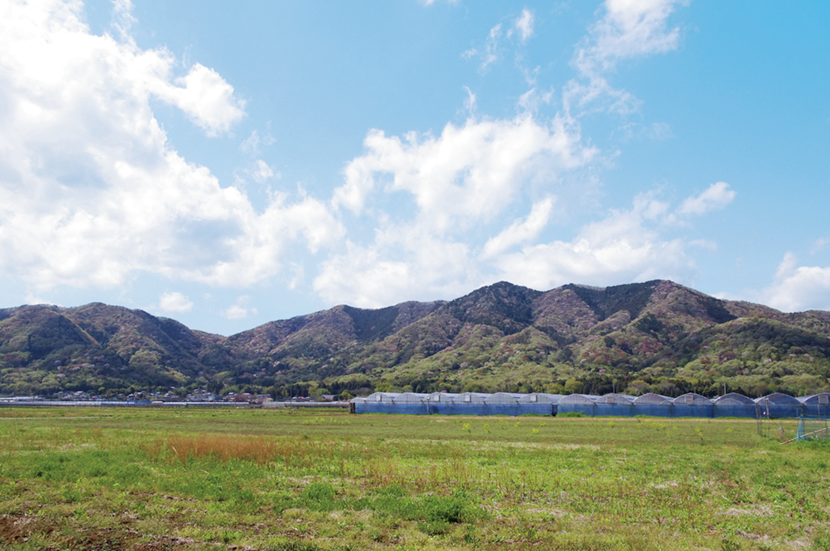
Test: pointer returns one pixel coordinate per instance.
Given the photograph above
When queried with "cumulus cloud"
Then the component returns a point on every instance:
(797, 288)
(90, 189)
(463, 181)
(459, 181)
(624, 246)
(205, 96)
(716, 197)
(240, 310)
(174, 302)
(520, 231)
(467, 174)
(629, 28)
(403, 262)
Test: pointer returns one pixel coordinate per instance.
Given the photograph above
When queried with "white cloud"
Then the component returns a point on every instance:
(240, 310)
(490, 55)
(459, 182)
(261, 172)
(657, 131)
(175, 302)
(34, 299)
(797, 288)
(533, 99)
(90, 189)
(520, 231)
(204, 95)
(705, 244)
(619, 248)
(122, 17)
(469, 173)
(716, 197)
(251, 144)
(404, 262)
(630, 28)
(524, 24)
(411, 261)
(470, 102)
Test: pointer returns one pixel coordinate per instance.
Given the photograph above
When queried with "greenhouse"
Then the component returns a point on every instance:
(776, 405)
(538, 397)
(576, 403)
(817, 405)
(614, 404)
(411, 403)
(504, 403)
(437, 397)
(378, 402)
(733, 405)
(692, 405)
(653, 405)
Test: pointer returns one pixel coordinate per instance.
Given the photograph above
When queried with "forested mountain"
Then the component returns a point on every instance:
(655, 336)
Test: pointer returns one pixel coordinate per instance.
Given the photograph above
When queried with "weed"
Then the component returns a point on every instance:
(319, 496)
(576, 484)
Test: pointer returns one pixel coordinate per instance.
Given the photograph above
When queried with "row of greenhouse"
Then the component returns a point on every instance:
(775, 405)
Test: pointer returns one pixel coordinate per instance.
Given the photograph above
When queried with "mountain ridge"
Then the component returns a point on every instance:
(650, 336)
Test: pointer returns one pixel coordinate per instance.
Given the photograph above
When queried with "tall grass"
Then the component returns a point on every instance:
(257, 449)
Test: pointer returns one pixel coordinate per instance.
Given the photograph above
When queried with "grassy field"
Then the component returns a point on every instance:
(297, 480)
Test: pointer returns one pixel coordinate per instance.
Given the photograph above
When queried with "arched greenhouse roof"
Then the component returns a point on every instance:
(692, 399)
(581, 399)
(503, 398)
(822, 398)
(733, 399)
(614, 399)
(777, 398)
(382, 397)
(652, 400)
(471, 398)
(410, 398)
(540, 398)
(442, 397)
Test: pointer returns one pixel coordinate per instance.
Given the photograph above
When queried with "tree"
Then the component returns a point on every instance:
(572, 386)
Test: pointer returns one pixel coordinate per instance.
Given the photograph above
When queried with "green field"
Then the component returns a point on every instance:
(298, 480)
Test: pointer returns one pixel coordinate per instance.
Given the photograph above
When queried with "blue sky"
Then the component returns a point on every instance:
(231, 164)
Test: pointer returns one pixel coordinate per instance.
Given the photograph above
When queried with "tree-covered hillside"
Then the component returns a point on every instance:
(646, 337)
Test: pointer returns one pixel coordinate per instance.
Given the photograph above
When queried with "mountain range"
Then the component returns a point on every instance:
(656, 336)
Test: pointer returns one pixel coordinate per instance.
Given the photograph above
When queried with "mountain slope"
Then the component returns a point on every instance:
(653, 336)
